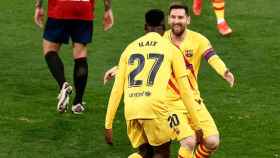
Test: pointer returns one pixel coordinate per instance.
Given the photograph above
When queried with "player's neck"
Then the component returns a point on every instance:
(177, 40)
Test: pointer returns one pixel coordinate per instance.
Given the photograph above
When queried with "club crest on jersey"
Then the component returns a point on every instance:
(189, 53)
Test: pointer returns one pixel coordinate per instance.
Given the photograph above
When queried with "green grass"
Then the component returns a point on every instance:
(247, 115)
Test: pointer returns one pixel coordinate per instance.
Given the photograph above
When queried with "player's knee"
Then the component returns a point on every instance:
(80, 54)
(188, 142)
(50, 47)
(79, 51)
(212, 142)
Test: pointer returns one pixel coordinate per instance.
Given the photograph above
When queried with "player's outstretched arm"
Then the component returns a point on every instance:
(115, 98)
(219, 66)
(110, 74)
(114, 101)
(188, 99)
(39, 13)
(108, 18)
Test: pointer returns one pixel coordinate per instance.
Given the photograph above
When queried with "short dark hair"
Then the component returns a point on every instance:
(179, 5)
(154, 17)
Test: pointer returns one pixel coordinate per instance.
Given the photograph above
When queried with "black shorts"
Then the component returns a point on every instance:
(60, 30)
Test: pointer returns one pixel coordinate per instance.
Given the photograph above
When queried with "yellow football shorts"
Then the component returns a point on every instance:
(178, 121)
(182, 127)
(153, 131)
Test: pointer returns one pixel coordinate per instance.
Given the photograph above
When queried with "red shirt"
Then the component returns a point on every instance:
(71, 9)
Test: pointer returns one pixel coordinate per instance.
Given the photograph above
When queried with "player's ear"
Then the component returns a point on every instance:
(188, 20)
(162, 29)
(146, 28)
(168, 20)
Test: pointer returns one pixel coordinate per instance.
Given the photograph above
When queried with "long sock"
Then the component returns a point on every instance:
(56, 67)
(184, 153)
(219, 9)
(203, 152)
(80, 78)
(135, 155)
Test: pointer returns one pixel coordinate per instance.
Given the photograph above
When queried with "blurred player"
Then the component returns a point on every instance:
(143, 73)
(69, 19)
(219, 9)
(194, 46)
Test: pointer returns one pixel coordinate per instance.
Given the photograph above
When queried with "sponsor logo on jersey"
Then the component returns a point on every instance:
(189, 53)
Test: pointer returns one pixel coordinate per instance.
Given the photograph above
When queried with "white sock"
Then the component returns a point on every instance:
(220, 21)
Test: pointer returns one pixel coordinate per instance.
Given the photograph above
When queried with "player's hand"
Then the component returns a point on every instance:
(108, 20)
(199, 136)
(110, 74)
(39, 16)
(228, 76)
(108, 133)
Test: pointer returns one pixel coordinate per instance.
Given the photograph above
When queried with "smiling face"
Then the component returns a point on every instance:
(178, 21)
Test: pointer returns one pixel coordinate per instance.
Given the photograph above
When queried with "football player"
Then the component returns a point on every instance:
(69, 19)
(194, 47)
(144, 70)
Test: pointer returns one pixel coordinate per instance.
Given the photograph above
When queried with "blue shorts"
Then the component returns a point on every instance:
(60, 30)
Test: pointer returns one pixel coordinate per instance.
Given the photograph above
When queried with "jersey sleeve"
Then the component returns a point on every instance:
(205, 47)
(218, 65)
(116, 93)
(188, 100)
(211, 57)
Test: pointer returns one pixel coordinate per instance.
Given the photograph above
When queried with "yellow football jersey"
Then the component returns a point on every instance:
(144, 70)
(194, 47)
